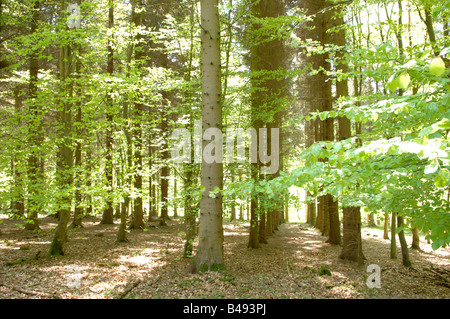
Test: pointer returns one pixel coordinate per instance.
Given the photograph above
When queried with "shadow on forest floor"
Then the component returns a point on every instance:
(150, 265)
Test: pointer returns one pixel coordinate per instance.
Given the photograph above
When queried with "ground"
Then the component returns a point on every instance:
(151, 265)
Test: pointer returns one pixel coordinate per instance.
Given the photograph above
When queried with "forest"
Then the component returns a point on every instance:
(224, 149)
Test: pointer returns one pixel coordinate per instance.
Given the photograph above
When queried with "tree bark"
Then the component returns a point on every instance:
(393, 241)
(404, 246)
(64, 170)
(34, 203)
(18, 201)
(351, 240)
(210, 247)
(386, 226)
(415, 238)
(165, 171)
(137, 221)
(78, 214)
(108, 213)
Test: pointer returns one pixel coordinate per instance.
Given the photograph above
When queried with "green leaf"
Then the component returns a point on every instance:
(439, 182)
(374, 117)
(403, 80)
(392, 85)
(437, 66)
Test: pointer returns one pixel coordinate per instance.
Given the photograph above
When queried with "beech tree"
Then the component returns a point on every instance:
(357, 90)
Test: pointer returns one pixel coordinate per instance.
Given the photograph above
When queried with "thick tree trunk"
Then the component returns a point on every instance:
(415, 238)
(334, 236)
(351, 240)
(371, 220)
(210, 247)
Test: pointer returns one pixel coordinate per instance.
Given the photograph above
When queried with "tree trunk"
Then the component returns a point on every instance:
(210, 246)
(351, 239)
(253, 241)
(88, 178)
(393, 241)
(404, 246)
(175, 204)
(262, 227)
(137, 221)
(18, 201)
(415, 238)
(108, 213)
(34, 203)
(386, 226)
(64, 173)
(78, 214)
(371, 220)
(165, 173)
(334, 236)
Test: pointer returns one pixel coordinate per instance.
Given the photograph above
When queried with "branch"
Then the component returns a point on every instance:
(31, 292)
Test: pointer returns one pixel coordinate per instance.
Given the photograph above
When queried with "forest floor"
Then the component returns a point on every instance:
(151, 266)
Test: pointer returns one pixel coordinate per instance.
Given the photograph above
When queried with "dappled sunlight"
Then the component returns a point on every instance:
(151, 263)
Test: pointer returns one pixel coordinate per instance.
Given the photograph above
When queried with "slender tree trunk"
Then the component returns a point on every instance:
(262, 227)
(404, 246)
(255, 210)
(137, 221)
(241, 211)
(386, 226)
(78, 214)
(18, 201)
(64, 172)
(393, 241)
(108, 213)
(165, 172)
(151, 200)
(286, 208)
(430, 31)
(175, 204)
(34, 203)
(88, 178)
(190, 211)
(190, 208)
(210, 246)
